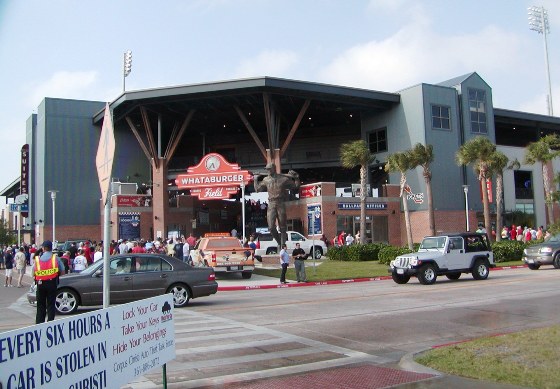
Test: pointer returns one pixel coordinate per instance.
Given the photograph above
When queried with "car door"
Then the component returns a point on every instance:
(121, 279)
(455, 253)
(150, 276)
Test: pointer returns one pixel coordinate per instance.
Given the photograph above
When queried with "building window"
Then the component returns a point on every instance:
(377, 140)
(441, 119)
(525, 208)
(477, 108)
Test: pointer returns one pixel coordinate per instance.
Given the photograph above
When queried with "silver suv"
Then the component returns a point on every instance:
(448, 255)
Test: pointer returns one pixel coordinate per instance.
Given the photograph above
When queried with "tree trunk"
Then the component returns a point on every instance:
(486, 204)
(431, 217)
(547, 194)
(499, 194)
(406, 214)
(363, 193)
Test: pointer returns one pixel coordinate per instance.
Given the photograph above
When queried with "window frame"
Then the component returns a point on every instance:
(441, 118)
(377, 141)
(478, 107)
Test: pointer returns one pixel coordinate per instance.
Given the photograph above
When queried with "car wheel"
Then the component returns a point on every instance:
(427, 274)
(453, 276)
(400, 278)
(246, 274)
(66, 302)
(271, 250)
(533, 266)
(181, 295)
(556, 261)
(318, 252)
(480, 270)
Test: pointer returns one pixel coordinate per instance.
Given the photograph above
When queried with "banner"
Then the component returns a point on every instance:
(314, 219)
(105, 348)
(129, 226)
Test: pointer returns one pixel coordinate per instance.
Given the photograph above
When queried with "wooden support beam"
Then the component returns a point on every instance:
(140, 140)
(149, 136)
(295, 126)
(251, 131)
(174, 142)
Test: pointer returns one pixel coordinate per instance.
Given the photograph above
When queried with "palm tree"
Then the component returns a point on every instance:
(423, 156)
(402, 162)
(544, 150)
(478, 152)
(498, 163)
(354, 154)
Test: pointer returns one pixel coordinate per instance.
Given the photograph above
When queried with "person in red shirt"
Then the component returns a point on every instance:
(137, 248)
(87, 253)
(513, 232)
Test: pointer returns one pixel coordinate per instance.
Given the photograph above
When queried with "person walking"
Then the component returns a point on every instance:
(9, 263)
(46, 269)
(284, 262)
(21, 264)
(299, 261)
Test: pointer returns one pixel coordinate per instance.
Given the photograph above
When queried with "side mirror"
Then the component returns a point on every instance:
(99, 273)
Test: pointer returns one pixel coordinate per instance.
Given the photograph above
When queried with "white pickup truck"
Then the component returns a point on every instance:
(269, 246)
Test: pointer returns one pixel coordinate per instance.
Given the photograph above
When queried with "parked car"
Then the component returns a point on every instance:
(546, 253)
(62, 247)
(268, 245)
(449, 255)
(133, 277)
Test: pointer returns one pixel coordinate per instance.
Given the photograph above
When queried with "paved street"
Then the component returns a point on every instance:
(357, 334)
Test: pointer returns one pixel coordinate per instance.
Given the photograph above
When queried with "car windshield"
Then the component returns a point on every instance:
(433, 243)
(554, 238)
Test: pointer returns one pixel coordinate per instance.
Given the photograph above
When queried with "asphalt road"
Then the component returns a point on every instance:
(236, 336)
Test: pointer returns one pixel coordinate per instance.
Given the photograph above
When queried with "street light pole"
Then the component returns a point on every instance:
(466, 190)
(538, 21)
(53, 198)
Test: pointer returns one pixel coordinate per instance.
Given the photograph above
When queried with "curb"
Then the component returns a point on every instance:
(330, 282)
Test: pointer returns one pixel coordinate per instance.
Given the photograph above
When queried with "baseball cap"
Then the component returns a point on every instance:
(47, 243)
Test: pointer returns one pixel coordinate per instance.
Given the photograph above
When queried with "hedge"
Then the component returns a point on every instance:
(388, 253)
(356, 252)
(510, 250)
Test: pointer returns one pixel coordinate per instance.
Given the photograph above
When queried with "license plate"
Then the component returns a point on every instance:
(400, 271)
(530, 261)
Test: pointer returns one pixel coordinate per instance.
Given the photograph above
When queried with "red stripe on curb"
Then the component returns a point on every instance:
(330, 282)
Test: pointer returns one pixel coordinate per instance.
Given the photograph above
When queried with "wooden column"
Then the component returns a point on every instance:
(160, 198)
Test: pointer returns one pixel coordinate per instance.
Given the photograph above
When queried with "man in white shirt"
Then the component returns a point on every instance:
(349, 239)
(186, 252)
(80, 262)
(98, 254)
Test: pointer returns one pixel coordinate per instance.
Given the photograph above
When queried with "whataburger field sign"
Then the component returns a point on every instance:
(106, 348)
(213, 178)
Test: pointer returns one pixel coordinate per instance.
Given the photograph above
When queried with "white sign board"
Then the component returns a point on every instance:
(105, 153)
(106, 348)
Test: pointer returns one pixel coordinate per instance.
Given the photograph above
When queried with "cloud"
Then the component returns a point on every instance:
(416, 52)
(63, 84)
(269, 62)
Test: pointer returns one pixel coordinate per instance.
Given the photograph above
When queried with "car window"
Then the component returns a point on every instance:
(476, 243)
(221, 243)
(456, 243)
(166, 266)
(144, 264)
(296, 237)
(121, 265)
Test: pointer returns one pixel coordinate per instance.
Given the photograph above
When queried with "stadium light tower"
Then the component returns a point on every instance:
(538, 21)
(127, 67)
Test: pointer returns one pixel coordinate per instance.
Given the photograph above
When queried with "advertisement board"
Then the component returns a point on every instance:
(106, 348)
(314, 219)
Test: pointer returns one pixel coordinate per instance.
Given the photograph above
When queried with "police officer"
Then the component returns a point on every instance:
(46, 269)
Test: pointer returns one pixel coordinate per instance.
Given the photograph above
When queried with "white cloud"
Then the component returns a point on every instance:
(63, 84)
(416, 53)
(268, 62)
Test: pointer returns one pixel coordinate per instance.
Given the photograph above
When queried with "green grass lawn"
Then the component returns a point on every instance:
(326, 270)
(528, 358)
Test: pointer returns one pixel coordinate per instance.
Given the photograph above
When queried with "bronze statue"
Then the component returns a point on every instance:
(277, 186)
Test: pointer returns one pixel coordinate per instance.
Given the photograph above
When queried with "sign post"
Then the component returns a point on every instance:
(104, 164)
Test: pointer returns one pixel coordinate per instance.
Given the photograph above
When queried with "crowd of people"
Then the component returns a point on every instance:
(345, 239)
(523, 234)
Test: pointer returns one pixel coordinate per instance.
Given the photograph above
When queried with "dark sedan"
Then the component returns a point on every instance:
(133, 277)
(546, 253)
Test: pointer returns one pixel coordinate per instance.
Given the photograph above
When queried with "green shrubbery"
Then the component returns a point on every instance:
(388, 253)
(510, 250)
(356, 252)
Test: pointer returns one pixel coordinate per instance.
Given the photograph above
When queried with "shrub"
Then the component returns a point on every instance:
(356, 252)
(507, 250)
(388, 253)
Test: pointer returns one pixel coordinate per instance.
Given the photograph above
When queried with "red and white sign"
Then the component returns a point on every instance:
(133, 201)
(213, 178)
(311, 190)
(488, 190)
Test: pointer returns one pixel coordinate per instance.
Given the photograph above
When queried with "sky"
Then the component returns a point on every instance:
(74, 49)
